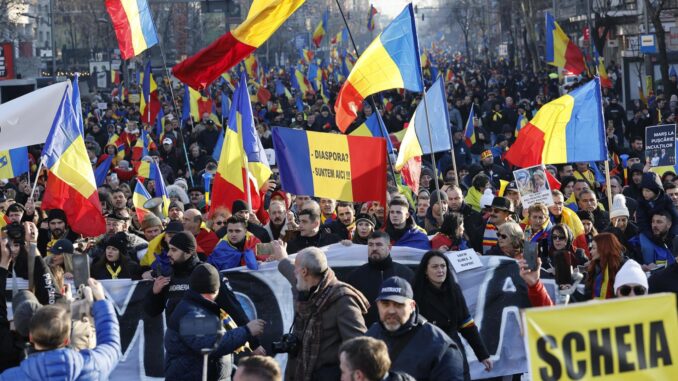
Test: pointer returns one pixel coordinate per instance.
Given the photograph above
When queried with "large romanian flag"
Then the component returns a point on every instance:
(139, 198)
(428, 131)
(241, 155)
(149, 105)
(133, 26)
(263, 19)
(341, 167)
(560, 50)
(567, 130)
(390, 62)
(70, 184)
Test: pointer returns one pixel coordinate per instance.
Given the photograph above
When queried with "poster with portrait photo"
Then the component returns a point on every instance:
(660, 145)
(533, 186)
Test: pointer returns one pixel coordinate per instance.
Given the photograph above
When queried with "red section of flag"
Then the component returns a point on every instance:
(204, 105)
(527, 149)
(263, 95)
(204, 67)
(123, 32)
(574, 60)
(411, 173)
(347, 106)
(367, 177)
(83, 214)
(224, 193)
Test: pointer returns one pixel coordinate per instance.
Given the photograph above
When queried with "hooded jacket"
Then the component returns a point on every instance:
(69, 364)
(660, 203)
(428, 353)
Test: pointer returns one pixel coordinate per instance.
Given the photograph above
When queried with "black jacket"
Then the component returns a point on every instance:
(170, 296)
(11, 345)
(426, 352)
(665, 280)
(184, 360)
(368, 277)
(473, 220)
(43, 282)
(319, 240)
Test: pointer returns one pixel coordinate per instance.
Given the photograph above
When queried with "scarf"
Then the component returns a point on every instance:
(309, 320)
(113, 273)
(473, 198)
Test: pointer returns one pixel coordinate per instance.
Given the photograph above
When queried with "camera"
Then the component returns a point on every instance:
(16, 232)
(288, 344)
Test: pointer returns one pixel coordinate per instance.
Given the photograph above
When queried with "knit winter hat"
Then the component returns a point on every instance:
(56, 214)
(184, 241)
(619, 206)
(205, 279)
(585, 215)
(486, 199)
(119, 241)
(367, 218)
(485, 154)
(150, 221)
(238, 206)
(24, 305)
(437, 196)
(176, 204)
(652, 182)
(630, 273)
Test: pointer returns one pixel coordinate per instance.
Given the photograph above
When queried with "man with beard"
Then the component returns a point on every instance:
(167, 291)
(280, 221)
(380, 266)
(56, 229)
(657, 249)
(416, 346)
(401, 227)
(237, 248)
(309, 230)
(327, 312)
(344, 225)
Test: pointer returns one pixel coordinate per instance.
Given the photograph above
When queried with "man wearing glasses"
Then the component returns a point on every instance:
(501, 211)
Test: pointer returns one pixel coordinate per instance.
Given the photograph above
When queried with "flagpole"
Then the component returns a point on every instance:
(373, 104)
(174, 102)
(37, 175)
(430, 139)
(454, 159)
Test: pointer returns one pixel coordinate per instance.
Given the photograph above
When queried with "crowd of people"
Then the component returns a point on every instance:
(384, 320)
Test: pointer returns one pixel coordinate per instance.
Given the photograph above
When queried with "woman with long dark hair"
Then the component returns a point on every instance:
(441, 301)
(606, 260)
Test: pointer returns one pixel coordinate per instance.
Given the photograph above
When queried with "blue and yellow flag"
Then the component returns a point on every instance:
(374, 127)
(13, 162)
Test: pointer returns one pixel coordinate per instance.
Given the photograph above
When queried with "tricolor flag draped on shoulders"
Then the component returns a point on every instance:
(241, 154)
(416, 141)
(70, 184)
(566, 130)
(263, 19)
(560, 50)
(341, 167)
(133, 26)
(391, 61)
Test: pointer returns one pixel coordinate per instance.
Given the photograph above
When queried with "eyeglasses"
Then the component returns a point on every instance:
(637, 290)
(558, 238)
(502, 236)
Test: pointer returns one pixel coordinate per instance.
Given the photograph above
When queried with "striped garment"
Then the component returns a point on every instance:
(489, 237)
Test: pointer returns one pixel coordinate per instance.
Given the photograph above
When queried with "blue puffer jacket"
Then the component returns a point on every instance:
(68, 364)
(183, 360)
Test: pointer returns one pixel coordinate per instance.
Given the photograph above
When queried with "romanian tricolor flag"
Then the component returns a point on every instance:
(307, 55)
(133, 26)
(370, 18)
(70, 184)
(374, 127)
(602, 71)
(427, 134)
(159, 188)
(102, 170)
(4, 220)
(115, 77)
(149, 105)
(321, 29)
(194, 105)
(567, 130)
(302, 83)
(228, 79)
(470, 130)
(252, 67)
(242, 156)
(263, 19)
(520, 123)
(13, 162)
(560, 50)
(341, 167)
(142, 169)
(390, 62)
(142, 146)
(339, 37)
(139, 198)
(449, 75)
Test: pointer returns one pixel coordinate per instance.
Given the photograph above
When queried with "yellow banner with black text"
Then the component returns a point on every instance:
(621, 339)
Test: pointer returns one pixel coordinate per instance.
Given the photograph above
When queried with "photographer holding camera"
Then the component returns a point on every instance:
(50, 332)
(27, 262)
(327, 312)
(186, 341)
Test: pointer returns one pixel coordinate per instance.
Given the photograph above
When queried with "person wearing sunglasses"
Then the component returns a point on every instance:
(501, 212)
(560, 240)
(630, 280)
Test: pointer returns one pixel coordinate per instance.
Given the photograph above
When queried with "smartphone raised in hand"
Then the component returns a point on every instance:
(530, 252)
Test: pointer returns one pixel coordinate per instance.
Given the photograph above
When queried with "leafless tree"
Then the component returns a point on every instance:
(654, 10)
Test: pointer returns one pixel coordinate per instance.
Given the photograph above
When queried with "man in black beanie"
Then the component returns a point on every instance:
(57, 228)
(168, 290)
(242, 210)
(184, 359)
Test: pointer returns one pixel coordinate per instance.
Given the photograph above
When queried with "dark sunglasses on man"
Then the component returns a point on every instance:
(625, 290)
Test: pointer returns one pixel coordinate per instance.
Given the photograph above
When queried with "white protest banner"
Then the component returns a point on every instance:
(464, 260)
(533, 186)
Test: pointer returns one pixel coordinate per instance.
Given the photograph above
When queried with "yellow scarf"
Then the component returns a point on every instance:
(114, 274)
